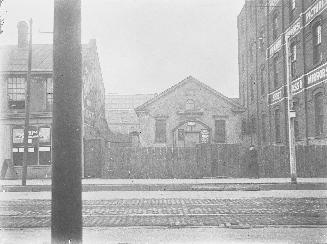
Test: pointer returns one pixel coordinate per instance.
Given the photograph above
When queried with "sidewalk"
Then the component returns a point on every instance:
(212, 184)
(170, 235)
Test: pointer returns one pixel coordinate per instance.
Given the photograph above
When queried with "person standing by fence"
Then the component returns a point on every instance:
(253, 162)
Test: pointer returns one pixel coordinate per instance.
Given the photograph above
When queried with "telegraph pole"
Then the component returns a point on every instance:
(66, 205)
(27, 107)
(291, 115)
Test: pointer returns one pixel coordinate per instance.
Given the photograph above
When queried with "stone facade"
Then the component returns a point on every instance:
(262, 27)
(189, 111)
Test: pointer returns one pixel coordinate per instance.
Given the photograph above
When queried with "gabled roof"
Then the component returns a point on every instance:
(14, 59)
(232, 102)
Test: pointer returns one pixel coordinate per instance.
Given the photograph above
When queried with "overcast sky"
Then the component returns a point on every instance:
(146, 46)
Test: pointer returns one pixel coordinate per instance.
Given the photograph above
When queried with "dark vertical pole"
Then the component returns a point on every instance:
(27, 107)
(66, 215)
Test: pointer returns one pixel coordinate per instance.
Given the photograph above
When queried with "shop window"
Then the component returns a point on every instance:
(293, 59)
(317, 54)
(319, 113)
(16, 92)
(160, 131)
(220, 131)
(39, 146)
(277, 126)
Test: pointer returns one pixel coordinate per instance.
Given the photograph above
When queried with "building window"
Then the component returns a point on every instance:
(252, 84)
(262, 79)
(277, 126)
(263, 127)
(291, 4)
(160, 133)
(49, 95)
(275, 26)
(243, 63)
(251, 52)
(296, 120)
(317, 43)
(262, 40)
(275, 71)
(293, 59)
(253, 125)
(220, 131)
(319, 113)
(16, 92)
(190, 105)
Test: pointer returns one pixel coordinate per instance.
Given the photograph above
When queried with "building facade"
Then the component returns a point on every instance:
(187, 114)
(263, 26)
(13, 72)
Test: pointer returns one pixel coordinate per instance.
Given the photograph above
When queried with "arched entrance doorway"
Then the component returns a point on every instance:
(191, 132)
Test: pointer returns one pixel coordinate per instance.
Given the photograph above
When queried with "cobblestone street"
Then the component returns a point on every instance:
(175, 212)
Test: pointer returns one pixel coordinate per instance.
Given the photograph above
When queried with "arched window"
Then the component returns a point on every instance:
(190, 104)
(317, 43)
(263, 127)
(275, 25)
(277, 126)
(275, 71)
(293, 59)
(319, 113)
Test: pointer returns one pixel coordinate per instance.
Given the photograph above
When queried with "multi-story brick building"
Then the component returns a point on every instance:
(13, 71)
(262, 28)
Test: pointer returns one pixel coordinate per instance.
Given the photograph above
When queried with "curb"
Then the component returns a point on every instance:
(176, 187)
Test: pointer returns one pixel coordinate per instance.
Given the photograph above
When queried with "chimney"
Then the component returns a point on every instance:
(22, 34)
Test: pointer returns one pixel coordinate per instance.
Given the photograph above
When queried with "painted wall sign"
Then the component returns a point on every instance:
(308, 80)
(294, 29)
(18, 135)
(272, 4)
(317, 75)
(276, 96)
(315, 10)
(275, 47)
(297, 86)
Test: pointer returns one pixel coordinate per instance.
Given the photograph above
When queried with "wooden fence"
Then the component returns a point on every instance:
(216, 160)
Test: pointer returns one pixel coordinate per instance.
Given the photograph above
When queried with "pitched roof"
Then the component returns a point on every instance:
(232, 102)
(14, 59)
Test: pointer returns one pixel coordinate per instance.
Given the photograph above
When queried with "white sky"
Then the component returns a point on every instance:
(146, 46)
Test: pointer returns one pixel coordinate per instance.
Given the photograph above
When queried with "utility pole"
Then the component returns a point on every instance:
(27, 107)
(291, 115)
(66, 205)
